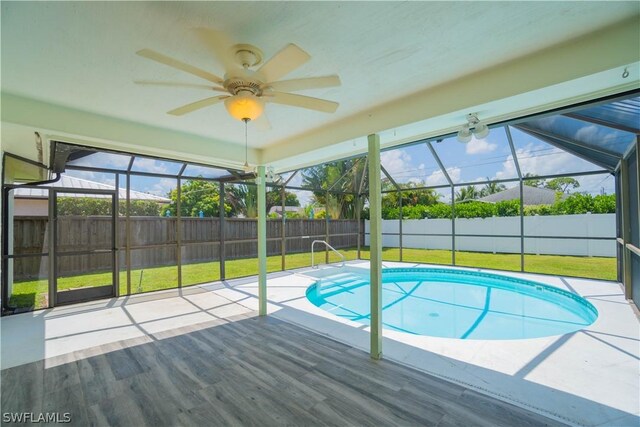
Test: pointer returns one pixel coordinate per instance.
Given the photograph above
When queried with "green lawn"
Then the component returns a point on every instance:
(34, 293)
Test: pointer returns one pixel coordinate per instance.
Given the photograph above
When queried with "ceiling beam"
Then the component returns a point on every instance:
(55, 122)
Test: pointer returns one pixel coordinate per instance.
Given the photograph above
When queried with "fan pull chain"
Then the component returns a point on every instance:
(246, 144)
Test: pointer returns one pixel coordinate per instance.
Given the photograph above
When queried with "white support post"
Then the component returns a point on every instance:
(375, 245)
(262, 242)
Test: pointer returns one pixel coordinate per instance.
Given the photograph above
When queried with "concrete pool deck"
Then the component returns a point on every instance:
(589, 377)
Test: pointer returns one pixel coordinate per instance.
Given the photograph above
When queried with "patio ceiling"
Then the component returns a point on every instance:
(408, 70)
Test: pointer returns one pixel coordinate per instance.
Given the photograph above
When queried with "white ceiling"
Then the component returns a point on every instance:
(82, 54)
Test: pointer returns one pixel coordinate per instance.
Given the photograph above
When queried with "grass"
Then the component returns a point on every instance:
(34, 293)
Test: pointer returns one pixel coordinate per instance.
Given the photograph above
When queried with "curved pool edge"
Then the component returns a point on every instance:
(522, 286)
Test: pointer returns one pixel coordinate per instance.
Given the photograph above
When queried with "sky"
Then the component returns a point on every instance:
(479, 160)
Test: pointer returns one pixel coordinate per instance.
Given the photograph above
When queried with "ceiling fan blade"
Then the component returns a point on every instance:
(262, 123)
(284, 62)
(178, 84)
(180, 111)
(302, 84)
(174, 63)
(219, 44)
(302, 102)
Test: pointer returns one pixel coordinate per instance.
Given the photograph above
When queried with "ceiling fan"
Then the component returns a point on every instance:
(244, 87)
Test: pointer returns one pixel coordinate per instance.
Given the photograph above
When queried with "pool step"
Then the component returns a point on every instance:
(340, 284)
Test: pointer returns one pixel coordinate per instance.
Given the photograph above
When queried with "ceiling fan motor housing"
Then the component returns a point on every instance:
(247, 55)
(236, 85)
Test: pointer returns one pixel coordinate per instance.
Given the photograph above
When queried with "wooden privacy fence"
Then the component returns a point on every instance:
(154, 240)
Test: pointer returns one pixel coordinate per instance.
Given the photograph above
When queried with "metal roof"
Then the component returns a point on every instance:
(531, 196)
(69, 182)
(601, 133)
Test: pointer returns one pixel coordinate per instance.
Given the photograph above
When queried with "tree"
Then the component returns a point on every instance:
(491, 187)
(467, 193)
(564, 184)
(274, 198)
(411, 196)
(195, 196)
(243, 200)
(343, 177)
(532, 182)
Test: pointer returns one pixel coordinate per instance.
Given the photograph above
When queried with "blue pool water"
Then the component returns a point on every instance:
(456, 304)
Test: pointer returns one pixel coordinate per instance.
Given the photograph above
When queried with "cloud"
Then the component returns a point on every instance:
(102, 178)
(152, 165)
(163, 186)
(542, 160)
(480, 146)
(396, 161)
(595, 184)
(556, 161)
(438, 178)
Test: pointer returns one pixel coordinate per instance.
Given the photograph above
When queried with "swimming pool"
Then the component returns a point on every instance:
(456, 303)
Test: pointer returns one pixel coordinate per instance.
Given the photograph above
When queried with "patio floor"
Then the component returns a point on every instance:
(244, 370)
(585, 378)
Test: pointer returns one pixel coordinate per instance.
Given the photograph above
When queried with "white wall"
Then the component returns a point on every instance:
(585, 225)
(31, 207)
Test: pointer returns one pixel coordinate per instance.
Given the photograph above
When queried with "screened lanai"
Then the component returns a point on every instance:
(319, 213)
(553, 194)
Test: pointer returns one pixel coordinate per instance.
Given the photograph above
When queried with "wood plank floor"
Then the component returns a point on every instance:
(249, 371)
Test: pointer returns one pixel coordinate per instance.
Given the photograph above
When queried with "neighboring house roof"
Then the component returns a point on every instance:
(278, 209)
(531, 196)
(69, 182)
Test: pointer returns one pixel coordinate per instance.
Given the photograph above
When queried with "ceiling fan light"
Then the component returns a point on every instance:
(481, 131)
(464, 135)
(244, 106)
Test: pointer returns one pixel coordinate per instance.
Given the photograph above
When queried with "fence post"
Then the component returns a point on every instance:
(493, 231)
(588, 233)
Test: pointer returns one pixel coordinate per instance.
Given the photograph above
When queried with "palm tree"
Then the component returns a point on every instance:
(243, 199)
(343, 175)
(467, 193)
(492, 187)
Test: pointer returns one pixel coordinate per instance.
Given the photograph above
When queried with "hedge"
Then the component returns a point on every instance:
(575, 204)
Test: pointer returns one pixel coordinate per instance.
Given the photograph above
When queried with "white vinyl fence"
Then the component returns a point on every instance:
(471, 234)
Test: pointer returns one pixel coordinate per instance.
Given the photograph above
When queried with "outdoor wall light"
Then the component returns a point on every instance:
(472, 128)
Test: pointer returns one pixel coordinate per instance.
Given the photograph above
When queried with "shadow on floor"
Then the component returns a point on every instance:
(246, 370)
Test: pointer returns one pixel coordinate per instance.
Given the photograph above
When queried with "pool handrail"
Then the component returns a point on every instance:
(328, 246)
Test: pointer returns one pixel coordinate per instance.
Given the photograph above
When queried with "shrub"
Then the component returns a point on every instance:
(574, 204)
